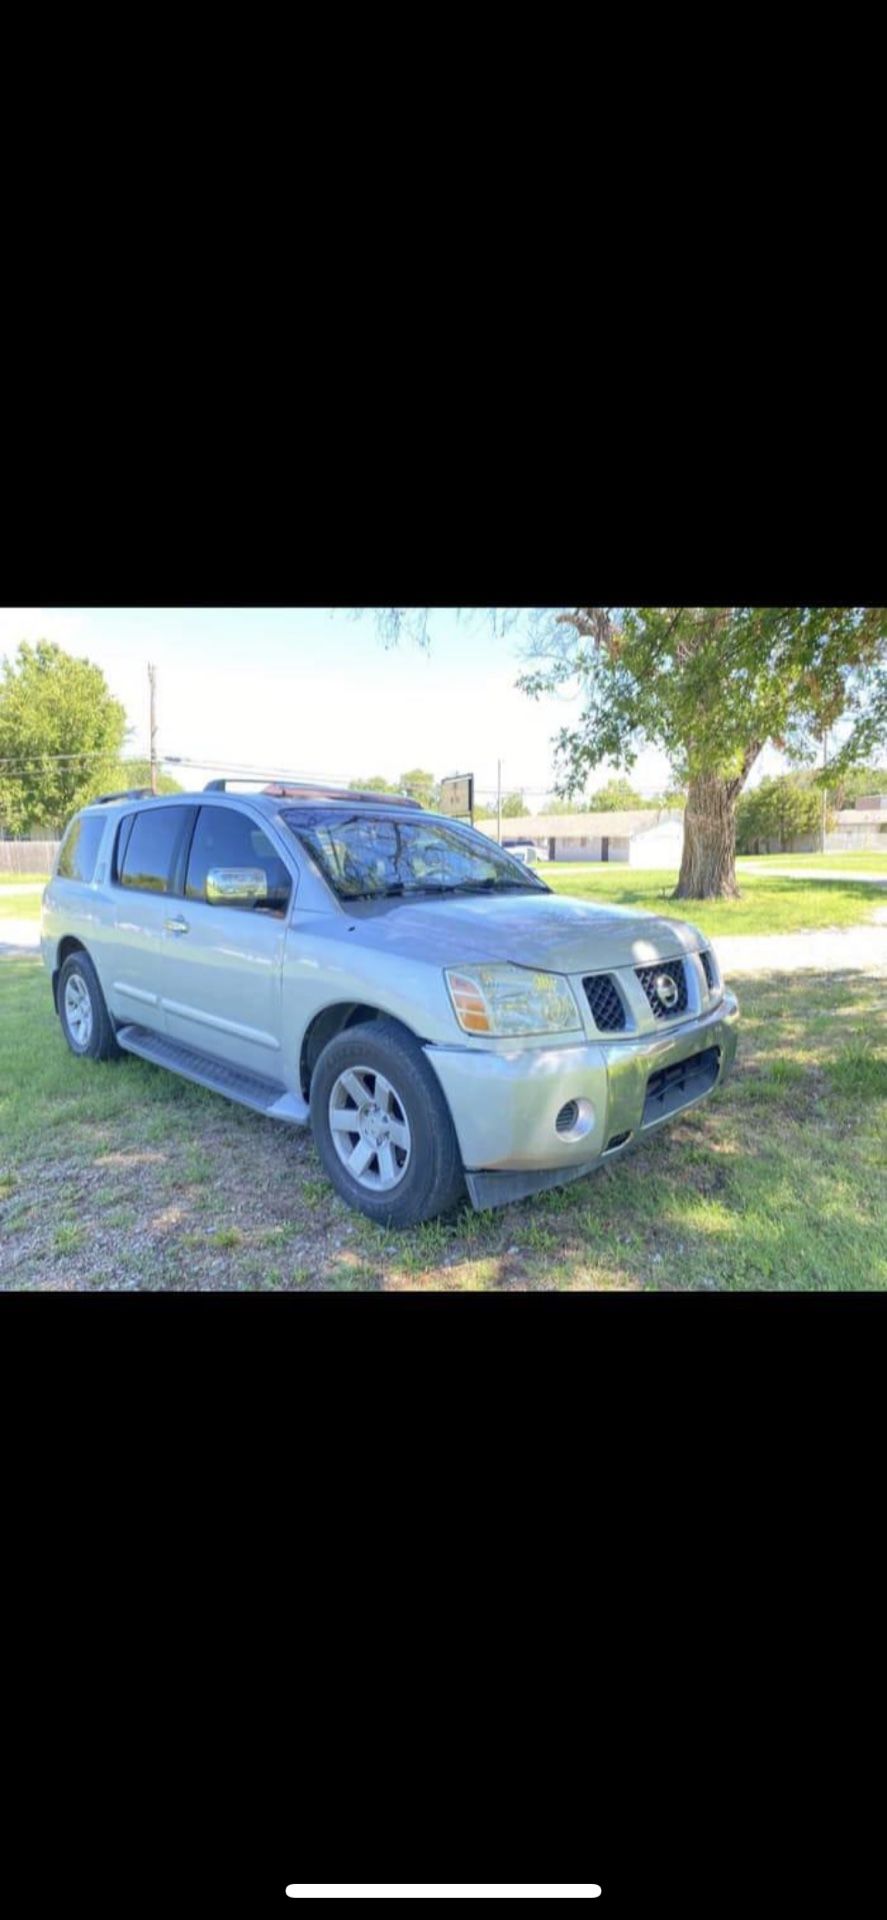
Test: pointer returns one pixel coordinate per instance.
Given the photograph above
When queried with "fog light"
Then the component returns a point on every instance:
(575, 1120)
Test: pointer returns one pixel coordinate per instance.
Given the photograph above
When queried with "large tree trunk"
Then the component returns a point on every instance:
(708, 866)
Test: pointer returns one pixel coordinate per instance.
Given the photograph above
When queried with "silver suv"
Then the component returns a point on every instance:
(441, 1019)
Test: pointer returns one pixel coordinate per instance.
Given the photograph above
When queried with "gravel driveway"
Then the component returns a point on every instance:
(831, 950)
(19, 937)
(816, 873)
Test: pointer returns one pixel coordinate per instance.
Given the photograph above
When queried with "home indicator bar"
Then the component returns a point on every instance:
(448, 1891)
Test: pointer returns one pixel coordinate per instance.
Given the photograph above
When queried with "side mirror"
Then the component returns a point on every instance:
(235, 886)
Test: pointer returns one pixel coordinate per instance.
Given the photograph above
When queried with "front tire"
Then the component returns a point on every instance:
(382, 1127)
(86, 1022)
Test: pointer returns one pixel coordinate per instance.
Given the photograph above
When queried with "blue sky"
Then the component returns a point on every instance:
(315, 691)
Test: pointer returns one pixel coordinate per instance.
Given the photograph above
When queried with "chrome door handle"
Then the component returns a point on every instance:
(177, 926)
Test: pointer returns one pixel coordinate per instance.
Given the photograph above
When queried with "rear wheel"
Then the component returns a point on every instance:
(86, 1023)
(382, 1126)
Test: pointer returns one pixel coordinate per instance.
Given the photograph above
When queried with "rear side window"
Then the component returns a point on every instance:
(147, 849)
(80, 848)
(228, 839)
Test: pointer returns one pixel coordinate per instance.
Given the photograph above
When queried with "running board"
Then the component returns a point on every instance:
(237, 1083)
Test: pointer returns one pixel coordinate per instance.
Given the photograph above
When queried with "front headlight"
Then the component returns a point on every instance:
(509, 1000)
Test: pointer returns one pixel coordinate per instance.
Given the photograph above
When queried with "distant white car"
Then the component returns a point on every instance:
(524, 850)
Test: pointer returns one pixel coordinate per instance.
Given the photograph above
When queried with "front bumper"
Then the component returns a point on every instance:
(505, 1104)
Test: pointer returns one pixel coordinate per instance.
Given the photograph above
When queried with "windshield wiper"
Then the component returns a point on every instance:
(495, 886)
(377, 893)
(397, 888)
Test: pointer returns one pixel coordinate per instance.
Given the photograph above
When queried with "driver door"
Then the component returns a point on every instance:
(224, 975)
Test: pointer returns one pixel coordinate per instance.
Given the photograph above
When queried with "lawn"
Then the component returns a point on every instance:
(121, 1176)
(22, 879)
(770, 903)
(19, 906)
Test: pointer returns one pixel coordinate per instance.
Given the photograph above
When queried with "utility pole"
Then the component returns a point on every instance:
(152, 683)
(499, 801)
(824, 794)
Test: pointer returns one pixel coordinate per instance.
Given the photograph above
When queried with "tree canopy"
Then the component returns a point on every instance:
(776, 812)
(61, 735)
(710, 686)
(137, 773)
(615, 796)
(420, 786)
(847, 785)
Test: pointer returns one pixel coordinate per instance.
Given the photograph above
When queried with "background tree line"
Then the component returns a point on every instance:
(62, 741)
(775, 813)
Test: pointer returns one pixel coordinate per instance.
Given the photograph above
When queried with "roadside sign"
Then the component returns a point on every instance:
(457, 796)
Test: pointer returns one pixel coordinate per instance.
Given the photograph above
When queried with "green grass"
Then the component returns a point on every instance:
(121, 1176)
(834, 862)
(23, 879)
(770, 902)
(20, 906)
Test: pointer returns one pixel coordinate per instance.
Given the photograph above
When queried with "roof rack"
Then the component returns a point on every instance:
(283, 789)
(128, 793)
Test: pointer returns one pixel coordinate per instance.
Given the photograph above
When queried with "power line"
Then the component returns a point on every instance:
(212, 763)
(152, 686)
(37, 758)
(22, 765)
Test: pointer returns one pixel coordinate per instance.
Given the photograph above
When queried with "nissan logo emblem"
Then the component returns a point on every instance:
(667, 991)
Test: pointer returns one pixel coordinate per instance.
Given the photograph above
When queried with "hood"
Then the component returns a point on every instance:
(542, 930)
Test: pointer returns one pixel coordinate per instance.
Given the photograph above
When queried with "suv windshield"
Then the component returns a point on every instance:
(374, 857)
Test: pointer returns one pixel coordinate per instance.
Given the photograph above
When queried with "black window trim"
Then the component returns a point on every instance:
(180, 869)
(121, 842)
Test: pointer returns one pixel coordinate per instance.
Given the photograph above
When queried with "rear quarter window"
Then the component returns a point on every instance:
(148, 848)
(80, 848)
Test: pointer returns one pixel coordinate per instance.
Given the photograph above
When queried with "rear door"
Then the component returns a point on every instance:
(223, 972)
(146, 861)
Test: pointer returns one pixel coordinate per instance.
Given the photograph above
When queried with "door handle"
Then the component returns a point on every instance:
(177, 926)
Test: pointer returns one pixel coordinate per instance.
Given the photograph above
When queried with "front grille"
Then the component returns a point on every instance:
(605, 1002)
(708, 968)
(654, 982)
